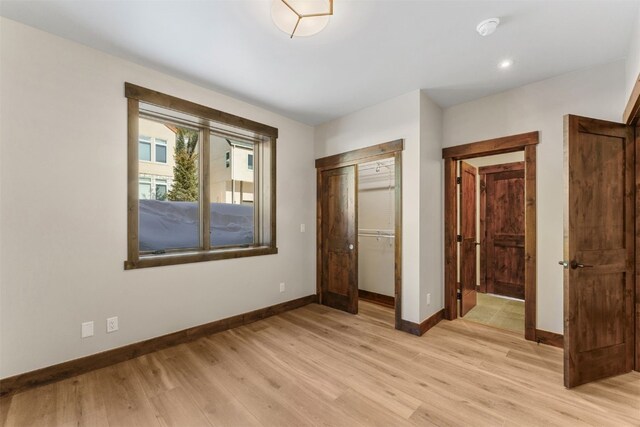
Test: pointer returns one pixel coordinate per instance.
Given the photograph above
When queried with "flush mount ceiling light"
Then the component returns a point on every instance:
(488, 26)
(301, 18)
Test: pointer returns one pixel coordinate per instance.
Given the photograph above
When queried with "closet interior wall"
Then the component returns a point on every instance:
(376, 224)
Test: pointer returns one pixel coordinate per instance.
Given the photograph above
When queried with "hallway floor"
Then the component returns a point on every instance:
(499, 312)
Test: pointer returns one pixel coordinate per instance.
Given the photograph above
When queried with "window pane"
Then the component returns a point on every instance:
(231, 192)
(250, 161)
(169, 218)
(144, 151)
(161, 192)
(161, 153)
(144, 190)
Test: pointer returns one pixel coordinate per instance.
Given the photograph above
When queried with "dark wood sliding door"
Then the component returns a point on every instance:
(598, 250)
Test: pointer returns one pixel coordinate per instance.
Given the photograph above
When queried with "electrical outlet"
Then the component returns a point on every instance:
(303, 228)
(112, 324)
(87, 329)
(428, 299)
(282, 287)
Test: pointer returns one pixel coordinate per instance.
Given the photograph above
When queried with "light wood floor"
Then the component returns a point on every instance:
(318, 366)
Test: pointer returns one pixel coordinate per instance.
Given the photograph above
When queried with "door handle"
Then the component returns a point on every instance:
(350, 246)
(477, 243)
(575, 264)
(564, 264)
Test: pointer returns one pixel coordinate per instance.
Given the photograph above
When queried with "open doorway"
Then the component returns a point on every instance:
(491, 226)
(359, 230)
(463, 245)
(376, 235)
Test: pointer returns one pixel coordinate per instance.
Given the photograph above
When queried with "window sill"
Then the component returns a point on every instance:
(146, 261)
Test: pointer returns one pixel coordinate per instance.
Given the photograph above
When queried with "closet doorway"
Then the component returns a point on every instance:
(359, 230)
(376, 232)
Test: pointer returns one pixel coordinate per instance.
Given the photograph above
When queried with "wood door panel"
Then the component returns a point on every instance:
(468, 247)
(602, 362)
(600, 293)
(338, 272)
(606, 198)
(509, 273)
(339, 284)
(599, 246)
(504, 230)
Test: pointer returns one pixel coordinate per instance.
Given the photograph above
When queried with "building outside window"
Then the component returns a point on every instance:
(152, 187)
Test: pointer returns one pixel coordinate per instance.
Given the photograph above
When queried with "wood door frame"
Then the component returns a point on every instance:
(392, 149)
(526, 142)
(483, 171)
(631, 117)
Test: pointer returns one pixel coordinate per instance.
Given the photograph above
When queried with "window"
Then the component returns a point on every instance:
(144, 188)
(144, 148)
(161, 150)
(161, 189)
(152, 187)
(188, 207)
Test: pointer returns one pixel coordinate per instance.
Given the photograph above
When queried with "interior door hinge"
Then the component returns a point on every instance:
(459, 238)
(458, 180)
(459, 295)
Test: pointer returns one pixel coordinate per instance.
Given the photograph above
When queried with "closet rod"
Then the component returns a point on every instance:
(388, 236)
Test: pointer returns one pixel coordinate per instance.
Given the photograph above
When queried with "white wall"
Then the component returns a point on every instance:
(63, 187)
(397, 118)
(633, 59)
(597, 92)
(431, 208)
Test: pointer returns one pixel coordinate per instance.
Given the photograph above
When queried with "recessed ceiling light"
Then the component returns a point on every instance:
(505, 63)
(488, 26)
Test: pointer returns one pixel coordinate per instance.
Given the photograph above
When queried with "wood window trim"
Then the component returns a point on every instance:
(526, 142)
(392, 149)
(135, 95)
(140, 93)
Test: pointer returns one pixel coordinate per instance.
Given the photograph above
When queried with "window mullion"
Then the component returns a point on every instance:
(205, 190)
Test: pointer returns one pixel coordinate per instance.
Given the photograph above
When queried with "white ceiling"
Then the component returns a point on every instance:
(369, 52)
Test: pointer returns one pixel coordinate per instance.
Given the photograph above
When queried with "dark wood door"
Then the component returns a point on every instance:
(339, 225)
(504, 225)
(598, 250)
(468, 296)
